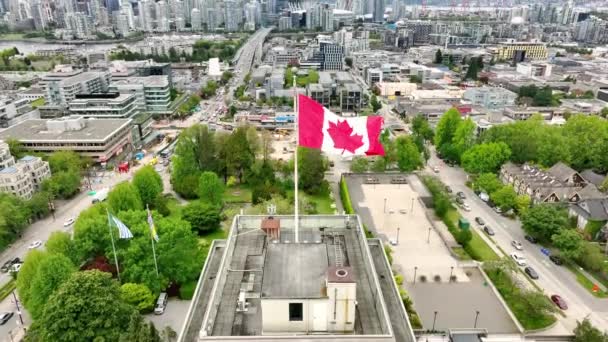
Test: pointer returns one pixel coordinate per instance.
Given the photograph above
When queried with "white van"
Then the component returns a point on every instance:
(161, 303)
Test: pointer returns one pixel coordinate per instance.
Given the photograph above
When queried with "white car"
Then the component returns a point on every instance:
(435, 169)
(69, 222)
(466, 207)
(519, 259)
(35, 244)
(16, 267)
(517, 245)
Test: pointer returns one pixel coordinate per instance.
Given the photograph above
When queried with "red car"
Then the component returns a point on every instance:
(559, 301)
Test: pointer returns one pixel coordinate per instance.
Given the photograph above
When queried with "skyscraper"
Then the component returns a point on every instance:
(379, 11)
(195, 19)
(234, 15)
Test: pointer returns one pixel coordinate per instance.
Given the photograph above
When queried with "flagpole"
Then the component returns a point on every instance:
(295, 159)
(113, 246)
(152, 240)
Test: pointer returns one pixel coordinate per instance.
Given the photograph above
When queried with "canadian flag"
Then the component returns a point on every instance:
(322, 129)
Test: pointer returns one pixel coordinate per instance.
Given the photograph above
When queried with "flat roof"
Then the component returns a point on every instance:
(154, 80)
(35, 130)
(294, 270)
(82, 77)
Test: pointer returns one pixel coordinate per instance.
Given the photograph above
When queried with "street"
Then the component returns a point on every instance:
(553, 279)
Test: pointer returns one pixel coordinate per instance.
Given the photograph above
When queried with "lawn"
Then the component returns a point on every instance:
(174, 207)
(462, 254)
(237, 194)
(586, 283)
(512, 295)
(479, 249)
(216, 234)
(39, 102)
(323, 203)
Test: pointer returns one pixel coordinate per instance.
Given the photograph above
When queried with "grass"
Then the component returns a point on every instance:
(478, 249)
(38, 103)
(174, 207)
(462, 254)
(7, 289)
(323, 203)
(216, 234)
(237, 194)
(585, 282)
(515, 299)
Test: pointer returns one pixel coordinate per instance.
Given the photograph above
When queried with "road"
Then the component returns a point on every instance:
(553, 279)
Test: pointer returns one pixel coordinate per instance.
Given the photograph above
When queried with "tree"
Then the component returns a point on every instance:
(138, 295)
(376, 105)
(408, 155)
(544, 220)
(446, 127)
(39, 204)
(140, 331)
(522, 204)
(475, 66)
(203, 217)
(438, 57)
(485, 157)
(65, 161)
(349, 62)
(61, 243)
(63, 184)
(148, 184)
(27, 273)
(487, 182)
(239, 155)
(86, 307)
(232, 110)
(91, 237)
(179, 256)
(464, 136)
(586, 332)
(210, 188)
(311, 170)
(569, 242)
(359, 165)
(16, 148)
(421, 127)
(123, 197)
(53, 270)
(505, 197)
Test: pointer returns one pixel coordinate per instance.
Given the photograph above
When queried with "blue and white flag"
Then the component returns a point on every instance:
(123, 230)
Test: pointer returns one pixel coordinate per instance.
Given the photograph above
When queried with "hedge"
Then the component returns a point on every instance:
(345, 197)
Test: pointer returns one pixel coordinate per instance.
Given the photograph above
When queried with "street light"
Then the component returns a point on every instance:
(476, 315)
(428, 237)
(451, 271)
(18, 309)
(385, 205)
(415, 270)
(434, 320)
(398, 229)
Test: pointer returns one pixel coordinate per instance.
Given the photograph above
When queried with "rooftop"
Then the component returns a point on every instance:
(82, 77)
(150, 81)
(35, 130)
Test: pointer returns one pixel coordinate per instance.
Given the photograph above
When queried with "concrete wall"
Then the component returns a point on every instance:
(341, 306)
(275, 315)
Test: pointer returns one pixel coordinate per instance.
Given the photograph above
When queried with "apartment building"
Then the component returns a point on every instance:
(63, 91)
(520, 51)
(105, 105)
(350, 97)
(490, 97)
(24, 177)
(152, 93)
(98, 139)
(318, 93)
(13, 111)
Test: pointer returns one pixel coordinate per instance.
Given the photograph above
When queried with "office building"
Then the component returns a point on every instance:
(79, 25)
(262, 283)
(350, 97)
(285, 23)
(490, 97)
(197, 19)
(379, 8)
(234, 15)
(61, 91)
(512, 50)
(13, 111)
(104, 105)
(99, 140)
(152, 93)
(319, 93)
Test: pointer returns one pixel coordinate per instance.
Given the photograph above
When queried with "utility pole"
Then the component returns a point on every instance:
(18, 309)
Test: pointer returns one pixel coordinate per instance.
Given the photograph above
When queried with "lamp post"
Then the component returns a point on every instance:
(398, 229)
(434, 320)
(415, 270)
(385, 205)
(428, 237)
(476, 316)
(451, 272)
(18, 309)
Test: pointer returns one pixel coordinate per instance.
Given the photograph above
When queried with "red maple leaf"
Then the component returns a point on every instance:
(343, 137)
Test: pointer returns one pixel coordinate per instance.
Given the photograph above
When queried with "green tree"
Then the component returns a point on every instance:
(553, 147)
(239, 155)
(487, 182)
(359, 165)
(179, 257)
(27, 273)
(311, 170)
(210, 188)
(140, 331)
(86, 307)
(61, 243)
(63, 184)
(408, 155)
(53, 270)
(522, 204)
(446, 127)
(586, 332)
(421, 127)
(203, 217)
(376, 105)
(91, 237)
(138, 295)
(464, 136)
(475, 66)
(349, 62)
(544, 220)
(485, 157)
(148, 184)
(505, 197)
(16, 148)
(65, 161)
(569, 242)
(438, 57)
(39, 204)
(124, 196)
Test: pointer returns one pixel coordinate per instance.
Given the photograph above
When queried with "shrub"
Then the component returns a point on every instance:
(437, 278)
(138, 295)
(186, 291)
(422, 279)
(464, 236)
(399, 279)
(389, 254)
(415, 320)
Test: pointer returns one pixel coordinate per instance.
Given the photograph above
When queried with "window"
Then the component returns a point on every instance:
(295, 312)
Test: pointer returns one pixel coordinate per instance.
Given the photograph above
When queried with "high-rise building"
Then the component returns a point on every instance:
(146, 15)
(196, 20)
(127, 10)
(284, 23)
(251, 15)
(162, 16)
(212, 19)
(234, 16)
(78, 23)
(379, 8)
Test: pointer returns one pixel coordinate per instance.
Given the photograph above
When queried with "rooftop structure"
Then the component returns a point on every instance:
(152, 93)
(104, 105)
(259, 283)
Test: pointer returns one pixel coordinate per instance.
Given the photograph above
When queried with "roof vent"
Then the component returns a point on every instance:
(341, 273)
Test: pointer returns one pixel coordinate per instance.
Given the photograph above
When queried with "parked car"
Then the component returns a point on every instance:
(484, 197)
(559, 301)
(466, 207)
(498, 210)
(461, 194)
(531, 272)
(479, 221)
(16, 267)
(448, 189)
(530, 238)
(435, 169)
(69, 222)
(7, 266)
(517, 245)
(488, 230)
(556, 260)
(35, 244)
(519, 259)
(161, 303)
(4, 317)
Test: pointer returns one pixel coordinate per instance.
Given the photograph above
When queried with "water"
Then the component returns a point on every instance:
(30, 47)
